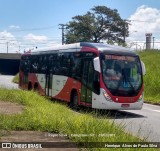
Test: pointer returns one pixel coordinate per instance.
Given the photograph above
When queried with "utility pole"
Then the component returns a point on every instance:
(62, 27)
(7, 46)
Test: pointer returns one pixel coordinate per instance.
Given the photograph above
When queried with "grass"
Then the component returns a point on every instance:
(16, 78)
(41, 114)
(152, 77)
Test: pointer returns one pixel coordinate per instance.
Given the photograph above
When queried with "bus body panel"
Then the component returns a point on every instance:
(41, 79)
(61, 86)
(58, 84)
(64, 86)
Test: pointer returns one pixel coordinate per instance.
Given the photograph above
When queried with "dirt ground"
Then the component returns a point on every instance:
(10, 108)
(22, 137)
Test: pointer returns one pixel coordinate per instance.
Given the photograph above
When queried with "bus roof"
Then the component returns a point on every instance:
(101, 47)
(110, 49)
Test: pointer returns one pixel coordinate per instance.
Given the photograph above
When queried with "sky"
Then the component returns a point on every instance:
(27, 24)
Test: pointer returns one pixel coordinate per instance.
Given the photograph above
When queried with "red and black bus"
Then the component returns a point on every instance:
(95, 75)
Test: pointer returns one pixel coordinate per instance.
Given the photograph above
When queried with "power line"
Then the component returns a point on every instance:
(33, 29)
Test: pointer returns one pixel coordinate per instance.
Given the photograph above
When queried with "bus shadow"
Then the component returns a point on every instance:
(110, 114)
(105, 114)
(124, 115)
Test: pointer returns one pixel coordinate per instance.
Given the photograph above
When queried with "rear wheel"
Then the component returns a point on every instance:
(36, 89)
(30, 86)
(74, 100)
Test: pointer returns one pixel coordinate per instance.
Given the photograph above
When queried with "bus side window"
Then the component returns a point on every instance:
(34, 64)
(57, 64)
(50, 63)
(27, 64)
(40, 62)
(93, 79)
(65, 64)
(44, 64)
(76, 66)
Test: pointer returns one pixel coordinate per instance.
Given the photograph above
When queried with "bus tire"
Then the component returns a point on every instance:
(36, 89)
(29, 86)
(74, 100)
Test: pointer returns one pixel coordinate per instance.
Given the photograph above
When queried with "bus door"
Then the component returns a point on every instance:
(48, 86)
(87, 82)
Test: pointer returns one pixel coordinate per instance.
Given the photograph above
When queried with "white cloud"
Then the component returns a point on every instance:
(24, 43)
(8, 42)
(35, 38)
(14, 27)
(144, 20)
(6, 35)
(32, 41)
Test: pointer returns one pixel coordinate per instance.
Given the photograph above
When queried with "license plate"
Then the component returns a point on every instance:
(125, 105)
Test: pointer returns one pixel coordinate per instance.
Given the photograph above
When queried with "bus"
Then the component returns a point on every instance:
(95, 75)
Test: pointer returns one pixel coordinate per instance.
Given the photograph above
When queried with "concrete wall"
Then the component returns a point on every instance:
(9, 66)
(9, 63)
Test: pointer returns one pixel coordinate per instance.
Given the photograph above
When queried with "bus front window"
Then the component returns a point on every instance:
(122, 75)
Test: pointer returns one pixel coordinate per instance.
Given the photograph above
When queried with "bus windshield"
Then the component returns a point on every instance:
(122, 75)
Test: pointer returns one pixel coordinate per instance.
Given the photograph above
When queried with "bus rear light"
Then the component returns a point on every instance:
(125, 105)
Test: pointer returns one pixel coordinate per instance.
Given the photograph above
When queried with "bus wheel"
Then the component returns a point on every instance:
(74, 100)
(30, 86)
(36, 87)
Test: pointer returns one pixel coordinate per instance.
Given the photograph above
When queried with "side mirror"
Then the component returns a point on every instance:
(96, 63)
(143, 68)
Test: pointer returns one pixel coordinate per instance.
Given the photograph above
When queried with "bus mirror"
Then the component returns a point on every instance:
(143, 68)
(96, 64)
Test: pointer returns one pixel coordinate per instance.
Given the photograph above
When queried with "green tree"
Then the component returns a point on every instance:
(99, 24)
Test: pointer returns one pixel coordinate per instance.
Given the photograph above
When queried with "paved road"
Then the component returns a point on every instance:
(144, 123)
(6, 82)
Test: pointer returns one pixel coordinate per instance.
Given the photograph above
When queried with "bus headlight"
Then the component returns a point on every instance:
(140, 98)
(107, 97)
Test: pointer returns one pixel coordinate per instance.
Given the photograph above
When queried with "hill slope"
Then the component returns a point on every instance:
(152, 78)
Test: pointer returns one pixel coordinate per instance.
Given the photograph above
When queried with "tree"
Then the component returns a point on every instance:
(99, 24)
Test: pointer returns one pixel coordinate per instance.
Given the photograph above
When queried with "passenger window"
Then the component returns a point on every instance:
(93, 79)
